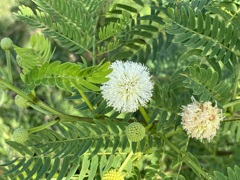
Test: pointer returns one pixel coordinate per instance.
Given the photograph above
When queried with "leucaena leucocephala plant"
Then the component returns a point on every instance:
(154, 86)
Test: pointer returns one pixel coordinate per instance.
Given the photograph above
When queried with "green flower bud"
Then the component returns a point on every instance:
(20, 135)
(112, 175)
(6, 43)
(21, 102)
(135, 132)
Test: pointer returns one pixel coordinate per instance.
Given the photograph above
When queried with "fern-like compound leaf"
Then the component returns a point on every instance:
(72, 146)
(205, 83)
(67, 76)
(202, 31)
(39, 53)
(61, 20)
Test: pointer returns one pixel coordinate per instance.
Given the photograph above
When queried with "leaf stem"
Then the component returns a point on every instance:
(39, 109)
(144, 114)
(94, 43)
(125, 162)
(233, 103)
(44, 126)
(9, 66)
(180, 167)
(86, 100)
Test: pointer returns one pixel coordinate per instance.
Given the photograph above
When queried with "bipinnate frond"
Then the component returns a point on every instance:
(165, 114)
(39, 53)
(67, 76)
(131, 34)
(69, 22)
(214, 37)
(74, 147)
(206, 84)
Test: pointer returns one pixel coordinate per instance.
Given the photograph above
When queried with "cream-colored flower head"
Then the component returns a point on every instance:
(129, 86)
(112, 175)
(201, 120)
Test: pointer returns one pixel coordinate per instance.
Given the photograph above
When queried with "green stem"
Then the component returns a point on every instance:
(233, 103)
(9, 66)
(94, 43)
(231, 120)
(44, 126)
(38, 102)
(144, 114)
(146, 118)
(125, 162)
(39, 109)
(185, 157)
(180, 167)
(86, 100)
(174, 132)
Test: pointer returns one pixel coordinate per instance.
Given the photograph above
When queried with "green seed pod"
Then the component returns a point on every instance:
(21, 102)
(20, 135)
(6, 43)
(135, 132)
(112, 175)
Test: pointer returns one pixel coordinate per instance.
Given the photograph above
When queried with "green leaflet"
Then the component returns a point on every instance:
(232, 173)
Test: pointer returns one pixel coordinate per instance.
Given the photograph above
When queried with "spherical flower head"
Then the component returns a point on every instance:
(21, 102)
(20, 135)
(112, 175)
(135, 132)
(201, 120)
(129, 86)
(6, 43)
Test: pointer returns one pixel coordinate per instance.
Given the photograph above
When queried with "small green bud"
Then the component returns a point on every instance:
(112, 175)
(135, 132)
(6, 43)
(21, 102)
(20, 135)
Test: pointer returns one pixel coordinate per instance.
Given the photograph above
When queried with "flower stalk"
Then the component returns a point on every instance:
(86, 100)
(9, 66)
(42, 127)
(144, 114)
(125, 162)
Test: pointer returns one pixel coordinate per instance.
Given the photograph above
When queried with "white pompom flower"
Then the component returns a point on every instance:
(129, 86)
(201, 120)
